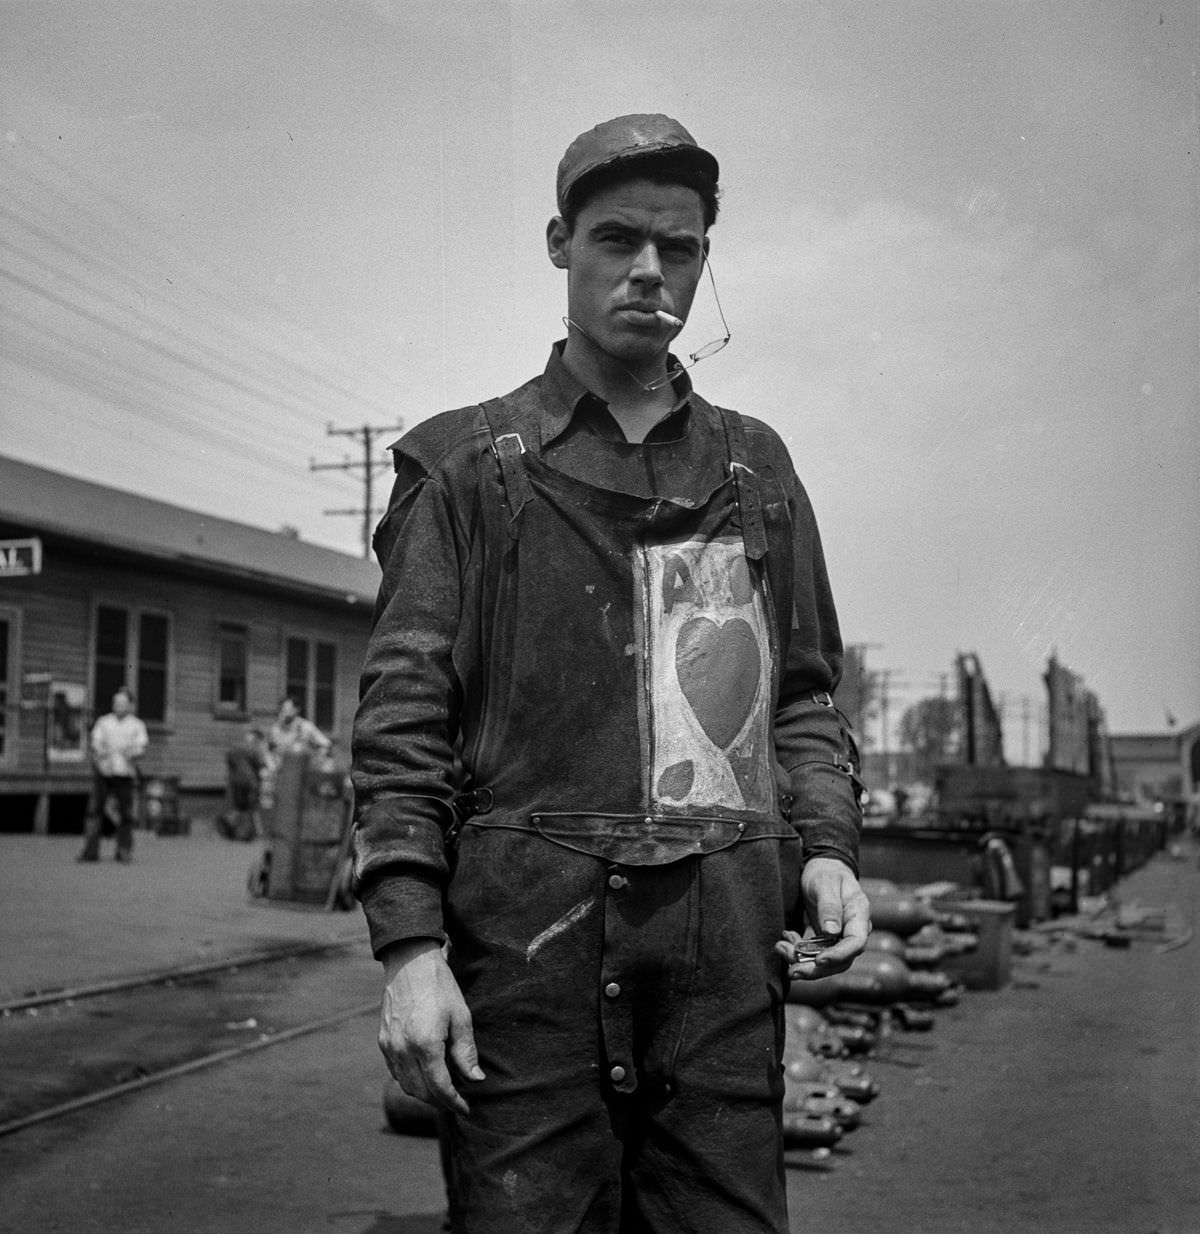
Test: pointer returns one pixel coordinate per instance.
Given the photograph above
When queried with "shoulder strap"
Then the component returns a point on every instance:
(745, 485)
(508, 447)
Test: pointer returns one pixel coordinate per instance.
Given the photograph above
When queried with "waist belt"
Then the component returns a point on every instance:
(639, 841)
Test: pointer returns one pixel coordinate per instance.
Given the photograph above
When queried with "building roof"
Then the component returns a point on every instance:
(57, 505)
(1145, 746)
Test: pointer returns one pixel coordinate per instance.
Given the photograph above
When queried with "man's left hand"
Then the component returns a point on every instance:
(836, 907)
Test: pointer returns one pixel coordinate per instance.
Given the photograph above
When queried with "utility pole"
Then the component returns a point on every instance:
(366, 433)
(860, 650)
(887, 684)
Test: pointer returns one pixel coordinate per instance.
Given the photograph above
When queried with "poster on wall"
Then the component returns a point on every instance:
(66, 732)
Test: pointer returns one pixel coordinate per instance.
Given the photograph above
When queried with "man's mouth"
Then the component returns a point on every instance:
(643, 311)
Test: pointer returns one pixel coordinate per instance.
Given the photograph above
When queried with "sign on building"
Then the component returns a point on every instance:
(19, 558)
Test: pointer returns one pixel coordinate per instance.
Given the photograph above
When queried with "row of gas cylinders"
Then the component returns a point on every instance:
(835, 1023)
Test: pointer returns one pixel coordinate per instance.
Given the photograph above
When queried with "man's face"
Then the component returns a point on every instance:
(120, 704)
(287, 711)
(636, 247)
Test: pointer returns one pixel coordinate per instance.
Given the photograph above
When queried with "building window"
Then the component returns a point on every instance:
(152, 666)
(112, 655)
(133, 649)
(233, 661)
(324, 685)
(310, 674)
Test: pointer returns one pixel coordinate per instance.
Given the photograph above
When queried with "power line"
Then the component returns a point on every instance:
(104, 370)
(134, 231)
(263, 360)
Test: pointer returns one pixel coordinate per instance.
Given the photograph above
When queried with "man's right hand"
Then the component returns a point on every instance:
(424, 1025)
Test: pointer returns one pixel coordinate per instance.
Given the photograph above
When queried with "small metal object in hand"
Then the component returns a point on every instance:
(810, 948)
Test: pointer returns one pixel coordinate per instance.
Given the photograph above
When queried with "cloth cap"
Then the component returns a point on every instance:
(627, 138)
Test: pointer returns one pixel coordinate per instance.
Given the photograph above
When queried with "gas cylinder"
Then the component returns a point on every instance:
(810, 1131)
(952, 942)
(856, 1039)
(914, 956)
(914, 1019)
(823, 1036)
(807, 1026)
(797, 1099)
(898, 982)
(900, 914)
(849, 987)
(870, 1019)
(848, 1078)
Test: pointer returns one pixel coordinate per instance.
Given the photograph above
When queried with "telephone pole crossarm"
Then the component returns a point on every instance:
(366, 434)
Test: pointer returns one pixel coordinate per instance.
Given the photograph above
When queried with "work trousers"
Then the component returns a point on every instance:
(629, 1021)
(122, 789)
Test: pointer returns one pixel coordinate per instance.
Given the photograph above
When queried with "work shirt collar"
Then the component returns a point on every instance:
(564, 398)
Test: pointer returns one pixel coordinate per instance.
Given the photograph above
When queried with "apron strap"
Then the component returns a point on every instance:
(508, 446)
(745, 485)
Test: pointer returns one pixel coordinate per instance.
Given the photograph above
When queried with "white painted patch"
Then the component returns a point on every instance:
(565, 922)
(706, 586)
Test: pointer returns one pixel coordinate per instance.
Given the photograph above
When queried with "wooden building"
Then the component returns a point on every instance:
(210, 622)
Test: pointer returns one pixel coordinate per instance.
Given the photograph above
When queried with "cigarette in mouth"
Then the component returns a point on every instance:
(666, 317)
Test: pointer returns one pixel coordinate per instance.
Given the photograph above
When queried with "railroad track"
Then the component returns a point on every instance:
(65, 1050)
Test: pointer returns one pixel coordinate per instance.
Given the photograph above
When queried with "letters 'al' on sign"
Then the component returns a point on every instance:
(20, 557)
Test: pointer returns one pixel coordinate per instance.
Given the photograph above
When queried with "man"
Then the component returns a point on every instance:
(119, 740)
(244, 768)
(292, 733)
(596, 751)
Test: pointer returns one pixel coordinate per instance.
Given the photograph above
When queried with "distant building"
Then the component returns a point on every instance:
(209, 621)
(1157, 766)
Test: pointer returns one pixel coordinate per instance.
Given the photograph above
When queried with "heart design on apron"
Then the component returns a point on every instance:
(718, 668)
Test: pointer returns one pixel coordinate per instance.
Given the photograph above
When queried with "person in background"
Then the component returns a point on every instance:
(292, 733)
(245, 765)
(119, 740)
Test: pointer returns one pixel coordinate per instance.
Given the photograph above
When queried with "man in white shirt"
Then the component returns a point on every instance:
(119, 740)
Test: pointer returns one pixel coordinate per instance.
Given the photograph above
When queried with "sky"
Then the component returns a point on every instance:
(957, 252)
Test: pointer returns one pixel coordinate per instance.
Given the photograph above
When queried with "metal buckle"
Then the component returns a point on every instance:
(505, 437)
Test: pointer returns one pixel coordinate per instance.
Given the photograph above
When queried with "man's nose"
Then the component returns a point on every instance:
(647, 268)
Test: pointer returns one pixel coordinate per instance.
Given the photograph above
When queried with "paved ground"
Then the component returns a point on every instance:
(181, 900)
(1066, 1103)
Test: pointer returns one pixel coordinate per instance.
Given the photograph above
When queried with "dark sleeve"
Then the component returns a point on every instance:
(812, 738)
(407, 719)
